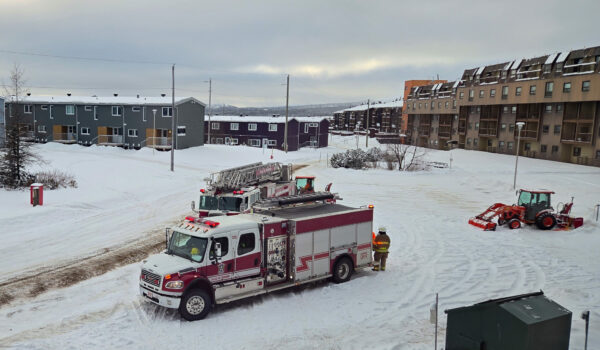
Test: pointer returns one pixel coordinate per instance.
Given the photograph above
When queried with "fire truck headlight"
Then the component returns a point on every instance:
(174, 285)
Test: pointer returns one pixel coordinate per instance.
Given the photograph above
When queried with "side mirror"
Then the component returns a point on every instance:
(217, 249)
(167, 232)
(193, 205)
(242, 207)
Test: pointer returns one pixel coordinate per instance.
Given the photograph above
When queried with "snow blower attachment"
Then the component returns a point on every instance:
(533, 207)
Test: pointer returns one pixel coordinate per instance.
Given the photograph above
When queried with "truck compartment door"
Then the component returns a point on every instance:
(312, 254)
(247, 254)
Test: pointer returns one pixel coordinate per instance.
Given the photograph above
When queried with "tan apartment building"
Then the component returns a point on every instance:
(557, 96)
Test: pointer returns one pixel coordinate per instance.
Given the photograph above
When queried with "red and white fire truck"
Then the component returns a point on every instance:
(285, 242)
(233, 191)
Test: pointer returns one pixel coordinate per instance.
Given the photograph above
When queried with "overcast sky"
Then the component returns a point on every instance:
(334, 51)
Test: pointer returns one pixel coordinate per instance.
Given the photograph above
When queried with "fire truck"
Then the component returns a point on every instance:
(233, 191)
(285, 242)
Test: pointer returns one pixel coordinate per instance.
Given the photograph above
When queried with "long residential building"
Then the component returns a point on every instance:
(129, 122)
(383, 117)
(556, 96)
(265, 131)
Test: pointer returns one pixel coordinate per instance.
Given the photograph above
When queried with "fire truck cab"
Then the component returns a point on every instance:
(288, 241)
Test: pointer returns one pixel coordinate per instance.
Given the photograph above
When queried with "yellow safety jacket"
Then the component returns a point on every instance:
(381, 243)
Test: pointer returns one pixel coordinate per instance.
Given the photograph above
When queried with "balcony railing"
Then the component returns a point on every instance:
(110, 140)
(157, 142)
(26, 135)
(65, 137)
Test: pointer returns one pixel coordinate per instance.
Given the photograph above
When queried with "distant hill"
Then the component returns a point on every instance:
(294, 111)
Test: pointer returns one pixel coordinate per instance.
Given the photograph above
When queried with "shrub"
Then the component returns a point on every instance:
(355, 159)
(54, 179)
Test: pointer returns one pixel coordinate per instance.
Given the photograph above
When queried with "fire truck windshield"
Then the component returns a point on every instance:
(208, 203)
(230, 203)
(188, 247)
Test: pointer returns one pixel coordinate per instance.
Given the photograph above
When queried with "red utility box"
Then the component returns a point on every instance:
(36, 194)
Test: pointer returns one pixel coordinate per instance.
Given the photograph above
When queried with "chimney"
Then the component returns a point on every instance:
(68, 94)
(115, 95)
(163, 95)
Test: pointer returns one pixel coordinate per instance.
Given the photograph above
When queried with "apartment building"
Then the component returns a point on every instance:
(384, 117)
(128, 122)
(556, 96)
(268, 131)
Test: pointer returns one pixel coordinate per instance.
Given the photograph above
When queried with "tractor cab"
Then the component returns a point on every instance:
(305, 184)
(534, 202)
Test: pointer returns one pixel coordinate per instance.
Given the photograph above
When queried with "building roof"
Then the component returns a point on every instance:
(261, 119)
(106, 100)
(391, 104)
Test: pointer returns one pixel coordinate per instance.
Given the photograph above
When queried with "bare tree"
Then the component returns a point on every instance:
(407, 156)
(16, 153)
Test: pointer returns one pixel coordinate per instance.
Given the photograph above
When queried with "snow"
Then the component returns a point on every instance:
(124, 194)
(563, 56)
(107, 100)
(551, 58)
(390, 104)
(260, 119)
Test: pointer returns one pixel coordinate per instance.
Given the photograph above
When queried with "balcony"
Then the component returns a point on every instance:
(65, 137)
(110, 140)
(26, 135)
(161, 143)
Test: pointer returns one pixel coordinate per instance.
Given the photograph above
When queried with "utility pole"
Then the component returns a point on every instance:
(209, 103)
(173, 118)
(287, 100)
(367, 136)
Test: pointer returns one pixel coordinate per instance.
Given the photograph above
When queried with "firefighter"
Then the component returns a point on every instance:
(381, 244)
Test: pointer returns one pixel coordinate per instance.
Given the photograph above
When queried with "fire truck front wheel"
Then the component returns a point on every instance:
(342, 270)
(195, 305)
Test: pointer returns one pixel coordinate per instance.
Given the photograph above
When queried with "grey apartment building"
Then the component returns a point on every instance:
(128, 122)
(556, 96)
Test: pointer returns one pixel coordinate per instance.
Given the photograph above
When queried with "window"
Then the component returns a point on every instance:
(51, 112)
(556, 129)
(476, 126)
(549, 89)
(598, 154)
(481, 93)
(505, 109)
(585, 86)
(27, 109)
(42, 128)
(132, 133)
(511, 127)
(135, 108)
(576, 151)
(478, 109)
(252, 127)
(88, 108)
(234, 141)
(501, 144)
(215, 125)
(471, 95)
(554, 149)
(559, 107)
(543, 148)
(414, 105)
(70, 110)
(567, 87)
(254, 142)
(446, 104)
(167, 111)
(117, 111)
(419, 105)
(44, 107)
(234, 126)
(95, 112)
(272, 127)
(509, 145)
(527, 146)
(180, 130)
(461, 95)
(470, 126)
(432, 104)
(246, 244)
(440, 105)
(503, 126)
(454, 104)
(513, 109)
(84, 130)
(468, 141)
(532, 89)
(518, 91)
(545, 129)
(475, 142)
(548, 108)
(492, 92)
(272, 143)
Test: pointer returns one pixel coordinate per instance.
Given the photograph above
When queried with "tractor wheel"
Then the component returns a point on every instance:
(514, 224)
(545, 221)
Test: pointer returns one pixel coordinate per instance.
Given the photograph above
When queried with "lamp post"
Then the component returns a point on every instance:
(153, 130)
(209, 81)
(520, 126)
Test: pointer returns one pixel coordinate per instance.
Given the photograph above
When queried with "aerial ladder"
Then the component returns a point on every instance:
(248, 175)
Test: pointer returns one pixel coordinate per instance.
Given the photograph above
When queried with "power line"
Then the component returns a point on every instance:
(113, 60)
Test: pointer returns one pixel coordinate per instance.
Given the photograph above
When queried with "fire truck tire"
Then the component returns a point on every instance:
(342, 270)
(546, 221)
(514, 224)
(195, 305)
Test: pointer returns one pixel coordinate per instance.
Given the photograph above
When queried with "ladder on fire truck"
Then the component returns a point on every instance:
(296, 200)
(247, 175)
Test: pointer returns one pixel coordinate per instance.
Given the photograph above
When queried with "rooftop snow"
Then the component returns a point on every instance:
(551, 58)
(106, 100)
(390, 104)
(562, 57)
(260, 119)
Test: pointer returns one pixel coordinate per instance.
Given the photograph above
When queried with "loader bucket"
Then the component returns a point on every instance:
(483, 224)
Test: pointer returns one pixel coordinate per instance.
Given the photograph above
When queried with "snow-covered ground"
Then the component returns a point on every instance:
(125, 195)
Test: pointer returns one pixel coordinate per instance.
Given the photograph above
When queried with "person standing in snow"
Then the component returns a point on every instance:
(381, 244)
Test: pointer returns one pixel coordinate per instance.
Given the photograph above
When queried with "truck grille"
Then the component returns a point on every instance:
(150, 277)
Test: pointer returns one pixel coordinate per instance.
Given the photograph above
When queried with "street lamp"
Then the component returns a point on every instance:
(153, 131)
(209, 81)
(520, 126)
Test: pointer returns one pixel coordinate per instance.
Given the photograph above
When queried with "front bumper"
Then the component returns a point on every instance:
(168, 301)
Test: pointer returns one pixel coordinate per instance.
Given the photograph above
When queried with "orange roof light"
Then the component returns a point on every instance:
(371, 206)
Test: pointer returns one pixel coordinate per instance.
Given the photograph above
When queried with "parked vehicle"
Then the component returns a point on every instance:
(288, 241)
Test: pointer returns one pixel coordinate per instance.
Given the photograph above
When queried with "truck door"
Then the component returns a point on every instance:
(247, 254)
(222, 269)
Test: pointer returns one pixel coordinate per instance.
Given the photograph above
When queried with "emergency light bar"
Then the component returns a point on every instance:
(238, 192)
(202, 190)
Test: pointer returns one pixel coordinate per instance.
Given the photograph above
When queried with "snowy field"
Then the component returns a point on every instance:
(125, 198)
